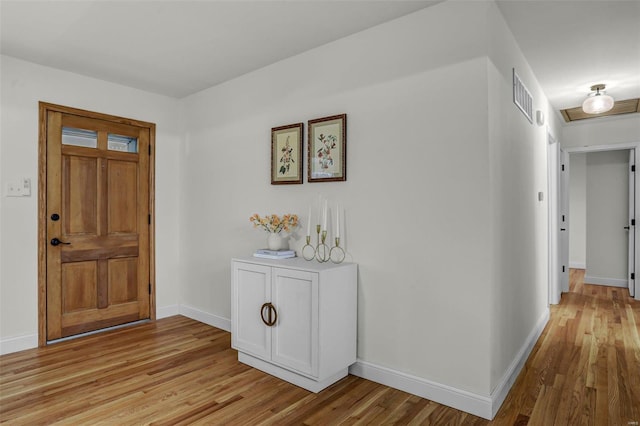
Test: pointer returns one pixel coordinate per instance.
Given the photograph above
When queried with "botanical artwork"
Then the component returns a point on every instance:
(327, 149)
(286, 154)
(327, 143)
(286, 157)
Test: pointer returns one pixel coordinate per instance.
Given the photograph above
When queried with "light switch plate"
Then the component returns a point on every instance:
(19, 187)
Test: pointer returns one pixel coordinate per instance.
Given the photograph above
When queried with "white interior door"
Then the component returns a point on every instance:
(564, 221)
(554, 219)
(632, 221)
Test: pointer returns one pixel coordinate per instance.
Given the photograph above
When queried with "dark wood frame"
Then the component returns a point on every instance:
(341, 143)
(275, 162)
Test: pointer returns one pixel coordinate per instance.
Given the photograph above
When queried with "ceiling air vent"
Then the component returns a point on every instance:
(522, 97)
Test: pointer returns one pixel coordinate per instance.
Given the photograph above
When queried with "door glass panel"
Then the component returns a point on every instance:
(79, 137)
(122, 143)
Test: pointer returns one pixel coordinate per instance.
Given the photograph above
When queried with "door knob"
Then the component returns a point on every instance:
(55, 242)
(55, 217)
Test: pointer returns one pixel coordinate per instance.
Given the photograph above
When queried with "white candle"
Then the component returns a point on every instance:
(324, 216)
(309, 222)
(337, 220)
(319, 209)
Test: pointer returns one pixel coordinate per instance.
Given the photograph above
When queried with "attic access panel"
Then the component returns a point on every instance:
(627, 106)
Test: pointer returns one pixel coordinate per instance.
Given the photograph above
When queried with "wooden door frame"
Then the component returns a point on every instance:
(44, 109)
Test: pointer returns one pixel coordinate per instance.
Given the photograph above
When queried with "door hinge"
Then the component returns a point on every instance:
(562, 268)
(563, 218)
(149, 288)
(563, 167)
(149, 149)
(149, 219)
(633, 276)
(633, 168)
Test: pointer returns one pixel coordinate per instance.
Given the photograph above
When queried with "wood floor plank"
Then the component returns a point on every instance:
(584, 369)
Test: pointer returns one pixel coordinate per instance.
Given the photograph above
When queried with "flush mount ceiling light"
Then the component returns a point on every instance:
(597, 102)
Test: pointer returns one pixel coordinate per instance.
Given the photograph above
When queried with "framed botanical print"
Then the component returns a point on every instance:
(327, 149)
(286, 154)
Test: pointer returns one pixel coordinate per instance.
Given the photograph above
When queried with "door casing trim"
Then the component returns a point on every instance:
(44, 108)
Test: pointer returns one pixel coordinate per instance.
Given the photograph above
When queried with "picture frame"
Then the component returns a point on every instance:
(327, 149)
(286, 154)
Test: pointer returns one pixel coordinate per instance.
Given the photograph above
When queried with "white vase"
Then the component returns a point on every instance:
(275, 241)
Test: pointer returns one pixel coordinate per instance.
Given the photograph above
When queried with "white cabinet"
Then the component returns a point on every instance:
(295, 319)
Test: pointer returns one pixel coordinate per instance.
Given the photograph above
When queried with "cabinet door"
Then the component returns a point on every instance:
(251, 289)
(295, 336)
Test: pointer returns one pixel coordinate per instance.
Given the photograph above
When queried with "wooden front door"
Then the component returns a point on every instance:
(97, 220)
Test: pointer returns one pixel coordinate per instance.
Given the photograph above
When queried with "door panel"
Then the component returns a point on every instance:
(123, 277)
(123, 195)
(99, 276)
(631, 223)
(252, 285)
(79, 199)
(553, 161)
(295, 296)
(80, 281)
(564, 221)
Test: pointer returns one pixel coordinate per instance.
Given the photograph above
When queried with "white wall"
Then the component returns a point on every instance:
(607, 215)
(441, 201)
(578, 210)
(23, 84)
(602, 131)
(518, 150)
(414, 176)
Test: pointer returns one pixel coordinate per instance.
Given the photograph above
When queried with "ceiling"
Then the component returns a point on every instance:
(574, 44)
(180, 47)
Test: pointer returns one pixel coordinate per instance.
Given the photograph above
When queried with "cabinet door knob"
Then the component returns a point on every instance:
(272, 314)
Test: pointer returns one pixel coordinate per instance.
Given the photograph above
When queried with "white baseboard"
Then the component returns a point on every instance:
(30, 341)
(577, 265)
(167, 311)
(205, 317)
(614, 282)
(500, 392)
(19, 343)
(478, 405)
(459, 399)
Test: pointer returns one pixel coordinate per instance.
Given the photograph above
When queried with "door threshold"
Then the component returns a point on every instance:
(102, 330)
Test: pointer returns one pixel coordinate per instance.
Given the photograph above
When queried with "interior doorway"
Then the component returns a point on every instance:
(610, 158)
(96, 246)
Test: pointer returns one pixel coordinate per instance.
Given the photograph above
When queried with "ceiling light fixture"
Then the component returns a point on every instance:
(597, 103)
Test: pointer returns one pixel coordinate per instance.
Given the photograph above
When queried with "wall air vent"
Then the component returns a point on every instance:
(522, 97)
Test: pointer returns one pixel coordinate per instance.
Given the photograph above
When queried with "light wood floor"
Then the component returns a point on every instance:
(585, 369)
